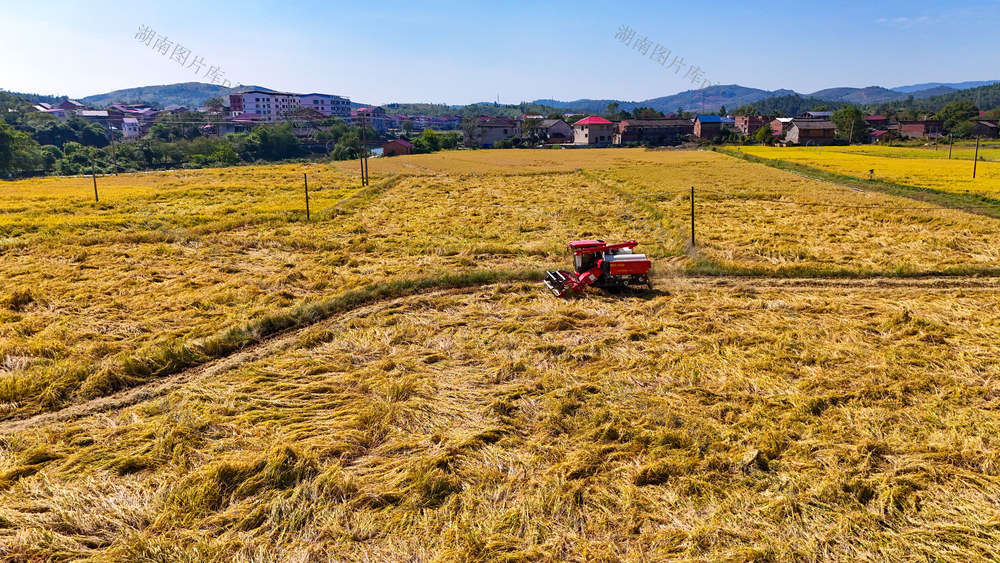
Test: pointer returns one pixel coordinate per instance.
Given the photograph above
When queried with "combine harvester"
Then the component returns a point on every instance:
(597, 263)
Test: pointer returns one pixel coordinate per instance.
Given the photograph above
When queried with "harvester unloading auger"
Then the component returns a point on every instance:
(600, 264)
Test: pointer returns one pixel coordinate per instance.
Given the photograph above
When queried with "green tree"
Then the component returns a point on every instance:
(215, 105)
(722, 111)
(470, 132)
(646, 113)
(225, 154)
(347, 146)
(764, 135)
(963, 129)
(408, 126)
(956, 113)
(851, 124)
(18, 151)
(430, 140)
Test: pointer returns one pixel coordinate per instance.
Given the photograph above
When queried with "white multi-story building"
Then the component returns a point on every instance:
(270, 106)
(327, 104)
(274, 106)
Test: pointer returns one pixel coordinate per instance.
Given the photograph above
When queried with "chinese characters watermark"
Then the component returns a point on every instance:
(660, 54)
(182, 56)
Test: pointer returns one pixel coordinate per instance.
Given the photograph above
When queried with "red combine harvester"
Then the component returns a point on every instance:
(602, 265)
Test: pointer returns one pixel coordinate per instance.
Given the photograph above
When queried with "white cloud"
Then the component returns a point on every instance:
(903, 22)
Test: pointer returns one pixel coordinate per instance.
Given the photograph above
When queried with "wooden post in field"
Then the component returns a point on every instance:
(951, 143)
(975, 159)
(361, 150)
(692, 216)
(305, 180)
(363, 153)
(93, 174)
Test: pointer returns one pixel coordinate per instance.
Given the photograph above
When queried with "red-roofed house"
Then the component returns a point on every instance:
(593, 130)
(397, 147)
(881, 136)
(372, 116)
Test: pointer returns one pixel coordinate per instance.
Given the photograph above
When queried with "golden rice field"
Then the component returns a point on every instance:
(962, 150)
(919, 167)
(192, 371)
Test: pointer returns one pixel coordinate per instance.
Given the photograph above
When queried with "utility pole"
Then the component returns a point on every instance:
(951, 143)
(975, 159)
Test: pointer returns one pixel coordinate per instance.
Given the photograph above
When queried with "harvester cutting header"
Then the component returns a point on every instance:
(602, 265)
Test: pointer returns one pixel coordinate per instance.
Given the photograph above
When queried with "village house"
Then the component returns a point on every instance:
(47, 109)
(707, 126)
(494, 129)
(652, 131)
(811, 132)
(986, 128)
(371, 116)
(881, 136)
(71, 105)
(780, 125)
(877, 121)
(749, 124)
(243, 122)
(920, 129)
(593, 130)
(98, 116)
(553, 131)
(130, 127)
(397, 147)
(825, 115)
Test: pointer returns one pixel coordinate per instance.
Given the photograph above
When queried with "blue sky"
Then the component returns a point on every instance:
(462, 52)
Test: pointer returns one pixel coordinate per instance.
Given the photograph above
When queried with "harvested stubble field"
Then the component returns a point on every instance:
(389, 381)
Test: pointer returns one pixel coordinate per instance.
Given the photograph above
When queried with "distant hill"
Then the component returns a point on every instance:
(985, 97)
(791, 105)
(950, 85)
(37, 98)
(586, 105)
(931, 95)
(877, 94)
(187, 94)
(704, 100)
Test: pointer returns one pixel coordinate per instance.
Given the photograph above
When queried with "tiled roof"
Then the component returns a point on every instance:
(593, 120)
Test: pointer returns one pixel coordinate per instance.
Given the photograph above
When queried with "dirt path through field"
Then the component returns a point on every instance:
(664, 285)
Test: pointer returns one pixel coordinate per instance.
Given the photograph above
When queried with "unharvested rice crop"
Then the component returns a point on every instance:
(899, 165)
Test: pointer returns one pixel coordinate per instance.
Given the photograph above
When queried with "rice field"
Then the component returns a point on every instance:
(191, 370)
(921, 167)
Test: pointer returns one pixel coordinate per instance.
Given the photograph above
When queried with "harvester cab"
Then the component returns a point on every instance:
(600, 264)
